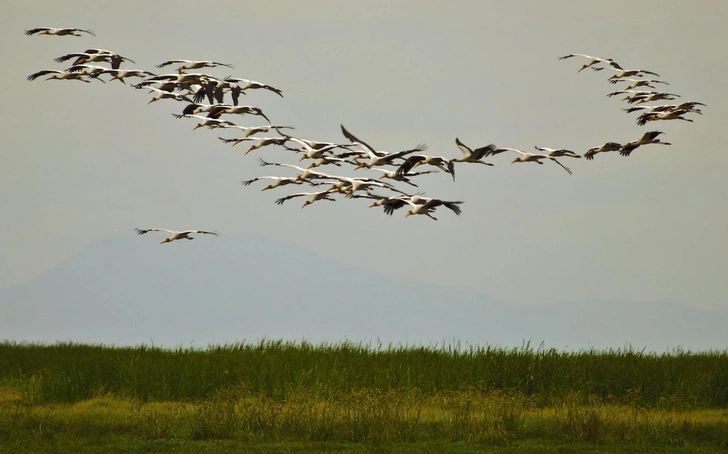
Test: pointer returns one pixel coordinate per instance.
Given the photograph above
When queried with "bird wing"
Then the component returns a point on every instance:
(43, 73)
(198, 231)
(409, 163)
(464, 148)
(568, 170)
(143, 231)
(354, 140)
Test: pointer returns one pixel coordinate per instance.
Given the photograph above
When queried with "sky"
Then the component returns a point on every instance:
(86, 162)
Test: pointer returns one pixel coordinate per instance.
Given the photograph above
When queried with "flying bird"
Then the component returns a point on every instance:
(609, 146)
(592, 61)
(647, 138)
(246, 84)
(376, 158)
(193, 64)
(175, 235)
(313, 197)
(57, 31)
(530, 157)
(557, 152)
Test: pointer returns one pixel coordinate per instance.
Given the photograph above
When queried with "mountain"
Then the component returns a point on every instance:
(131, 290)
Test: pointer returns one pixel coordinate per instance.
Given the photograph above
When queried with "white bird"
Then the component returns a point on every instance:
(259, 141)
(690, 105)
(609, 146)
(622, 73)
(313, 197)
(352, 185)
(426, 205)
(95, 55)
(470, 155)
(417, 160)
(668, 115)
(175, 235)
(246, 84)
(57, 31)
(530, 157)
(376, 158)
(638, 83)
(642, 98)
(308, 151)
(403, 177)
(304, 174)
(592, 61)
(193, 64)
(558, 152)
(168, 95)
(277, 181)
(333, 160)
(59, 75)
(121, 74)
(208, 121)
(647, 138)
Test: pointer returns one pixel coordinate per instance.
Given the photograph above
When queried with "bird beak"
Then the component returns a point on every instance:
(152, 100)
(514, 161)
(373, 204)
(302, 158)
(383, 176)
(408, 213)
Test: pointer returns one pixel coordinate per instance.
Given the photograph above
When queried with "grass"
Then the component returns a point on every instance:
(289, 397)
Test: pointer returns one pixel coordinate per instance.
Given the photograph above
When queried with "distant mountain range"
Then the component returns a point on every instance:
(131, 290)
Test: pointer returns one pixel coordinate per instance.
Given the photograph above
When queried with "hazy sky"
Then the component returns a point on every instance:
(83, 162)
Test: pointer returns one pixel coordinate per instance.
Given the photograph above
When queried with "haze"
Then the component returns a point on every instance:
(87, 162)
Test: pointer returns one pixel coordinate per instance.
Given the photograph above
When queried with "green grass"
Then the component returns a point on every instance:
(71, 372)
(293, 397)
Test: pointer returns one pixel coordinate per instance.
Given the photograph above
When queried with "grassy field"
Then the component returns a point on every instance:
(293, 397)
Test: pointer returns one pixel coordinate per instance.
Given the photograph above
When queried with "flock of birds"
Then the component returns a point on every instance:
(194, 88)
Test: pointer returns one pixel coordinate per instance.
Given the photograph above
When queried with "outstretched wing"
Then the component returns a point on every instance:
(143, 231)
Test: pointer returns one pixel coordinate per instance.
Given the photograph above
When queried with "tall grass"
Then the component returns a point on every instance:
(278, 370)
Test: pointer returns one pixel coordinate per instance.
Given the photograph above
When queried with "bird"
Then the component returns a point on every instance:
(622, 73)
(95, 56)
(669, 115)
(470, 155)
(649, 97)
(207, 121)
(647, 138)
(121, 74)
(313, 197)
(389, 203)
(333, 160)
(690, 106)
(193, 64)
(376, 158)
(174, 235)
(168, 95)
(305, 174)
(59, 75)
(557, 152)
(530, 157)
(352, 185)
(592, 61)
(403, 177)
(308, 151)
(57, 31)
(246, 84)
(416, 160)
(252, 130)
(259, 141)
(425, 206)
(609, 146)
(277, 181)
(236, 110)
(638, 83)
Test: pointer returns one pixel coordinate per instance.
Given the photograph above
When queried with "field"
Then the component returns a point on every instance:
(298, 397)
